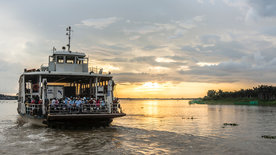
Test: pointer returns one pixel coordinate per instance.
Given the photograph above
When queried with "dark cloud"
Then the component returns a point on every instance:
(251, 68)
(264, 7)
(116, 60)
(144, 59)
(144, 77)
(217, 51)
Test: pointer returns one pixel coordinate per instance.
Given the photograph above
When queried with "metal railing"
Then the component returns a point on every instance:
(36, 109)
(82, 109)
(98, 70)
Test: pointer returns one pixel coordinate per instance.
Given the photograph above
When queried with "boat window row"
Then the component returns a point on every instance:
(68, 59)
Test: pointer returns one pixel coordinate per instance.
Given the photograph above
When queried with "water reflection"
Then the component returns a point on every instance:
(150, 127)
(151, 108)
(203, 120)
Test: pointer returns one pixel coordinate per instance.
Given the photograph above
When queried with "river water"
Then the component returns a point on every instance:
(150, 127)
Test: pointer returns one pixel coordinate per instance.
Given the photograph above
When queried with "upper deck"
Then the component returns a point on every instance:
(67, 61)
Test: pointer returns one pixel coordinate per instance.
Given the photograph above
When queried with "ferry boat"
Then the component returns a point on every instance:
(67, 92)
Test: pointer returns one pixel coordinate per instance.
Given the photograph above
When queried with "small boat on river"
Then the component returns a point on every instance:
(67, 92)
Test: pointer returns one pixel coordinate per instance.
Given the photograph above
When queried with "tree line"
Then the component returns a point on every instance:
(262, 92)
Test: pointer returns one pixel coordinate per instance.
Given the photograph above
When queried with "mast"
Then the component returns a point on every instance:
(68, 29)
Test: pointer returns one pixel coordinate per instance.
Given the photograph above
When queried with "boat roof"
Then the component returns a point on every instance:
(81, 74)
(69, 53)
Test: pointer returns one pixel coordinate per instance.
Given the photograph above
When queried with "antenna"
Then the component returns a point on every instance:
(54, 49)
(68, 29)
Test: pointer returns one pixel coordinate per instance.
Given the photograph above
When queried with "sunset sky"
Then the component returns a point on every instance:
(154, 48)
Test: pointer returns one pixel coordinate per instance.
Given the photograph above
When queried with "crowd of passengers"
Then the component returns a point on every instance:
(78, 102)
(75, 104)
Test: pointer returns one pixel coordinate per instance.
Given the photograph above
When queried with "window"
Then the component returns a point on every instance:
(70, 59)
(60, 59)
(82, 60)
(79, 61)
(85, 61)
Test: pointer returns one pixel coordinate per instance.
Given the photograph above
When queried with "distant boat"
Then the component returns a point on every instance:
(66, 92)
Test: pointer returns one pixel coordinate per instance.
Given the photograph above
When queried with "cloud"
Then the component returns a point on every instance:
(143, 77)
(254, 9)
(266, 8)
(252, 67)
(191, 23)
(209, 1)
(144, 29)
(99, 23)
(166, 41)
(135, 37)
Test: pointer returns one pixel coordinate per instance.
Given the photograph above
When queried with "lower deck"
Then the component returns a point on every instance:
(63, 115)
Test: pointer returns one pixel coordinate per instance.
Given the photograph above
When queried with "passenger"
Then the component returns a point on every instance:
(29, 100)
(66, 101)
(74, 103)
(33, 101)
(60, 101)
(57, 102)
(84, 104)
(36, 98)
(115, 105)
(71, 102)
(102, 104)
(53, 102)
(52, 108)
(85, 100)
(98, 104)
(119, 107)
(78, 102)
(90, 101)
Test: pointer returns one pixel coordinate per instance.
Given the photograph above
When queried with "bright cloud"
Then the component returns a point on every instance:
(167, 60)
(202, 64)
(99, 23)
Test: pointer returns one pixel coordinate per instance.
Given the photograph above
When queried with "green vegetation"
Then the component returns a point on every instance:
(229, 101)
(261, 95)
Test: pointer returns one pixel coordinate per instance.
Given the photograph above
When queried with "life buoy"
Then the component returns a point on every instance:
(35, 87)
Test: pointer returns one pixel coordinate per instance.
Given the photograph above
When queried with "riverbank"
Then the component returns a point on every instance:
(235, 101)
(7, 97)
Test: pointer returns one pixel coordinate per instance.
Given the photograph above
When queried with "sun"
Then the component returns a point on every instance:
(151, 85)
